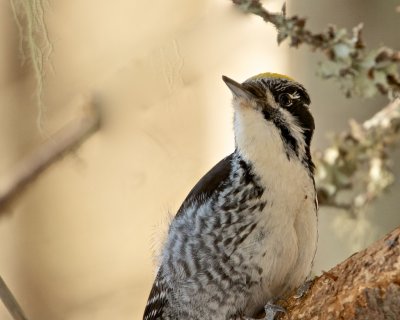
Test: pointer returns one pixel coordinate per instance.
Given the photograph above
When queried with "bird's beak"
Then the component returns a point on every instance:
(236, 88)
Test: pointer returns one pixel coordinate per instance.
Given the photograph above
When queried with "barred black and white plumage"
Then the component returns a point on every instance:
(247, 232)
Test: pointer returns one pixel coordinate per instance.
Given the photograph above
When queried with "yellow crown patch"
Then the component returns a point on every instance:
(270, 75)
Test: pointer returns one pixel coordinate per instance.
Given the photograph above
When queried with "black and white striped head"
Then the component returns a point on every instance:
(272, 115)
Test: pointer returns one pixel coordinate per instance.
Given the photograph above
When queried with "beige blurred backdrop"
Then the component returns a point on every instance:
(80, 243)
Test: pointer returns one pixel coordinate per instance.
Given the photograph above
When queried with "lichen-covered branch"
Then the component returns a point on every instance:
(358, 162)
(356, 168)
(68, 138)
(366, 286)
(359, 71)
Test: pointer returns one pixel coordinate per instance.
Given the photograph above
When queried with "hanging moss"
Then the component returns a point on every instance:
(35, 46)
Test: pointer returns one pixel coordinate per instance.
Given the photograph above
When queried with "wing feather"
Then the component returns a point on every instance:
(210, 183)
(157, 300)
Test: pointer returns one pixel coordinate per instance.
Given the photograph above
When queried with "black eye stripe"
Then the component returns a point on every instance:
(290, 141)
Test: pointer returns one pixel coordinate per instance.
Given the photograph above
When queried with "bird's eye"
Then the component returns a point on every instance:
(285, 100)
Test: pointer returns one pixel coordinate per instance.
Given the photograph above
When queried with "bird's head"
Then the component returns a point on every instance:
(272, 112)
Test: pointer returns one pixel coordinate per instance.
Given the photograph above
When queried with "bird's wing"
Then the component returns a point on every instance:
(158, 299)
(211, 182)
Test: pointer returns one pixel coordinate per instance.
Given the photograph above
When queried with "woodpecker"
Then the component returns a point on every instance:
(247, 232)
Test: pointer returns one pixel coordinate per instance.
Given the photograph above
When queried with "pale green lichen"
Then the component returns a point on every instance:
(35, 45)
(358, 165)
(358, 71)
(356, 169)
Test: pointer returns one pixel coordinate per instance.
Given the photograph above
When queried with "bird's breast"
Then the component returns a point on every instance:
(286, 235)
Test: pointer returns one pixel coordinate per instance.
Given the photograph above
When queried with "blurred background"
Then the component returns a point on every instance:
(81, 242)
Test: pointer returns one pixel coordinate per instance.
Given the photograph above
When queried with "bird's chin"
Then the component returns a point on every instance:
(240, 104)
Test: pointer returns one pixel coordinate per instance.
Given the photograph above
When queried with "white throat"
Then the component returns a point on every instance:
(260, 143)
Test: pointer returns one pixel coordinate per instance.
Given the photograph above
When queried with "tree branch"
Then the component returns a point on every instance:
(10, 302)
(358, 161)
(366, 286)
(358, 71)
(68, 138)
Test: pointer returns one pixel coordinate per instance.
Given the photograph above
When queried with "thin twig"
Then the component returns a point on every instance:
(10, 302)
(68, 138)
(339, 205)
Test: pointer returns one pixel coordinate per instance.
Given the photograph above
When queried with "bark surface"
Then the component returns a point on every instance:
(366, 286)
